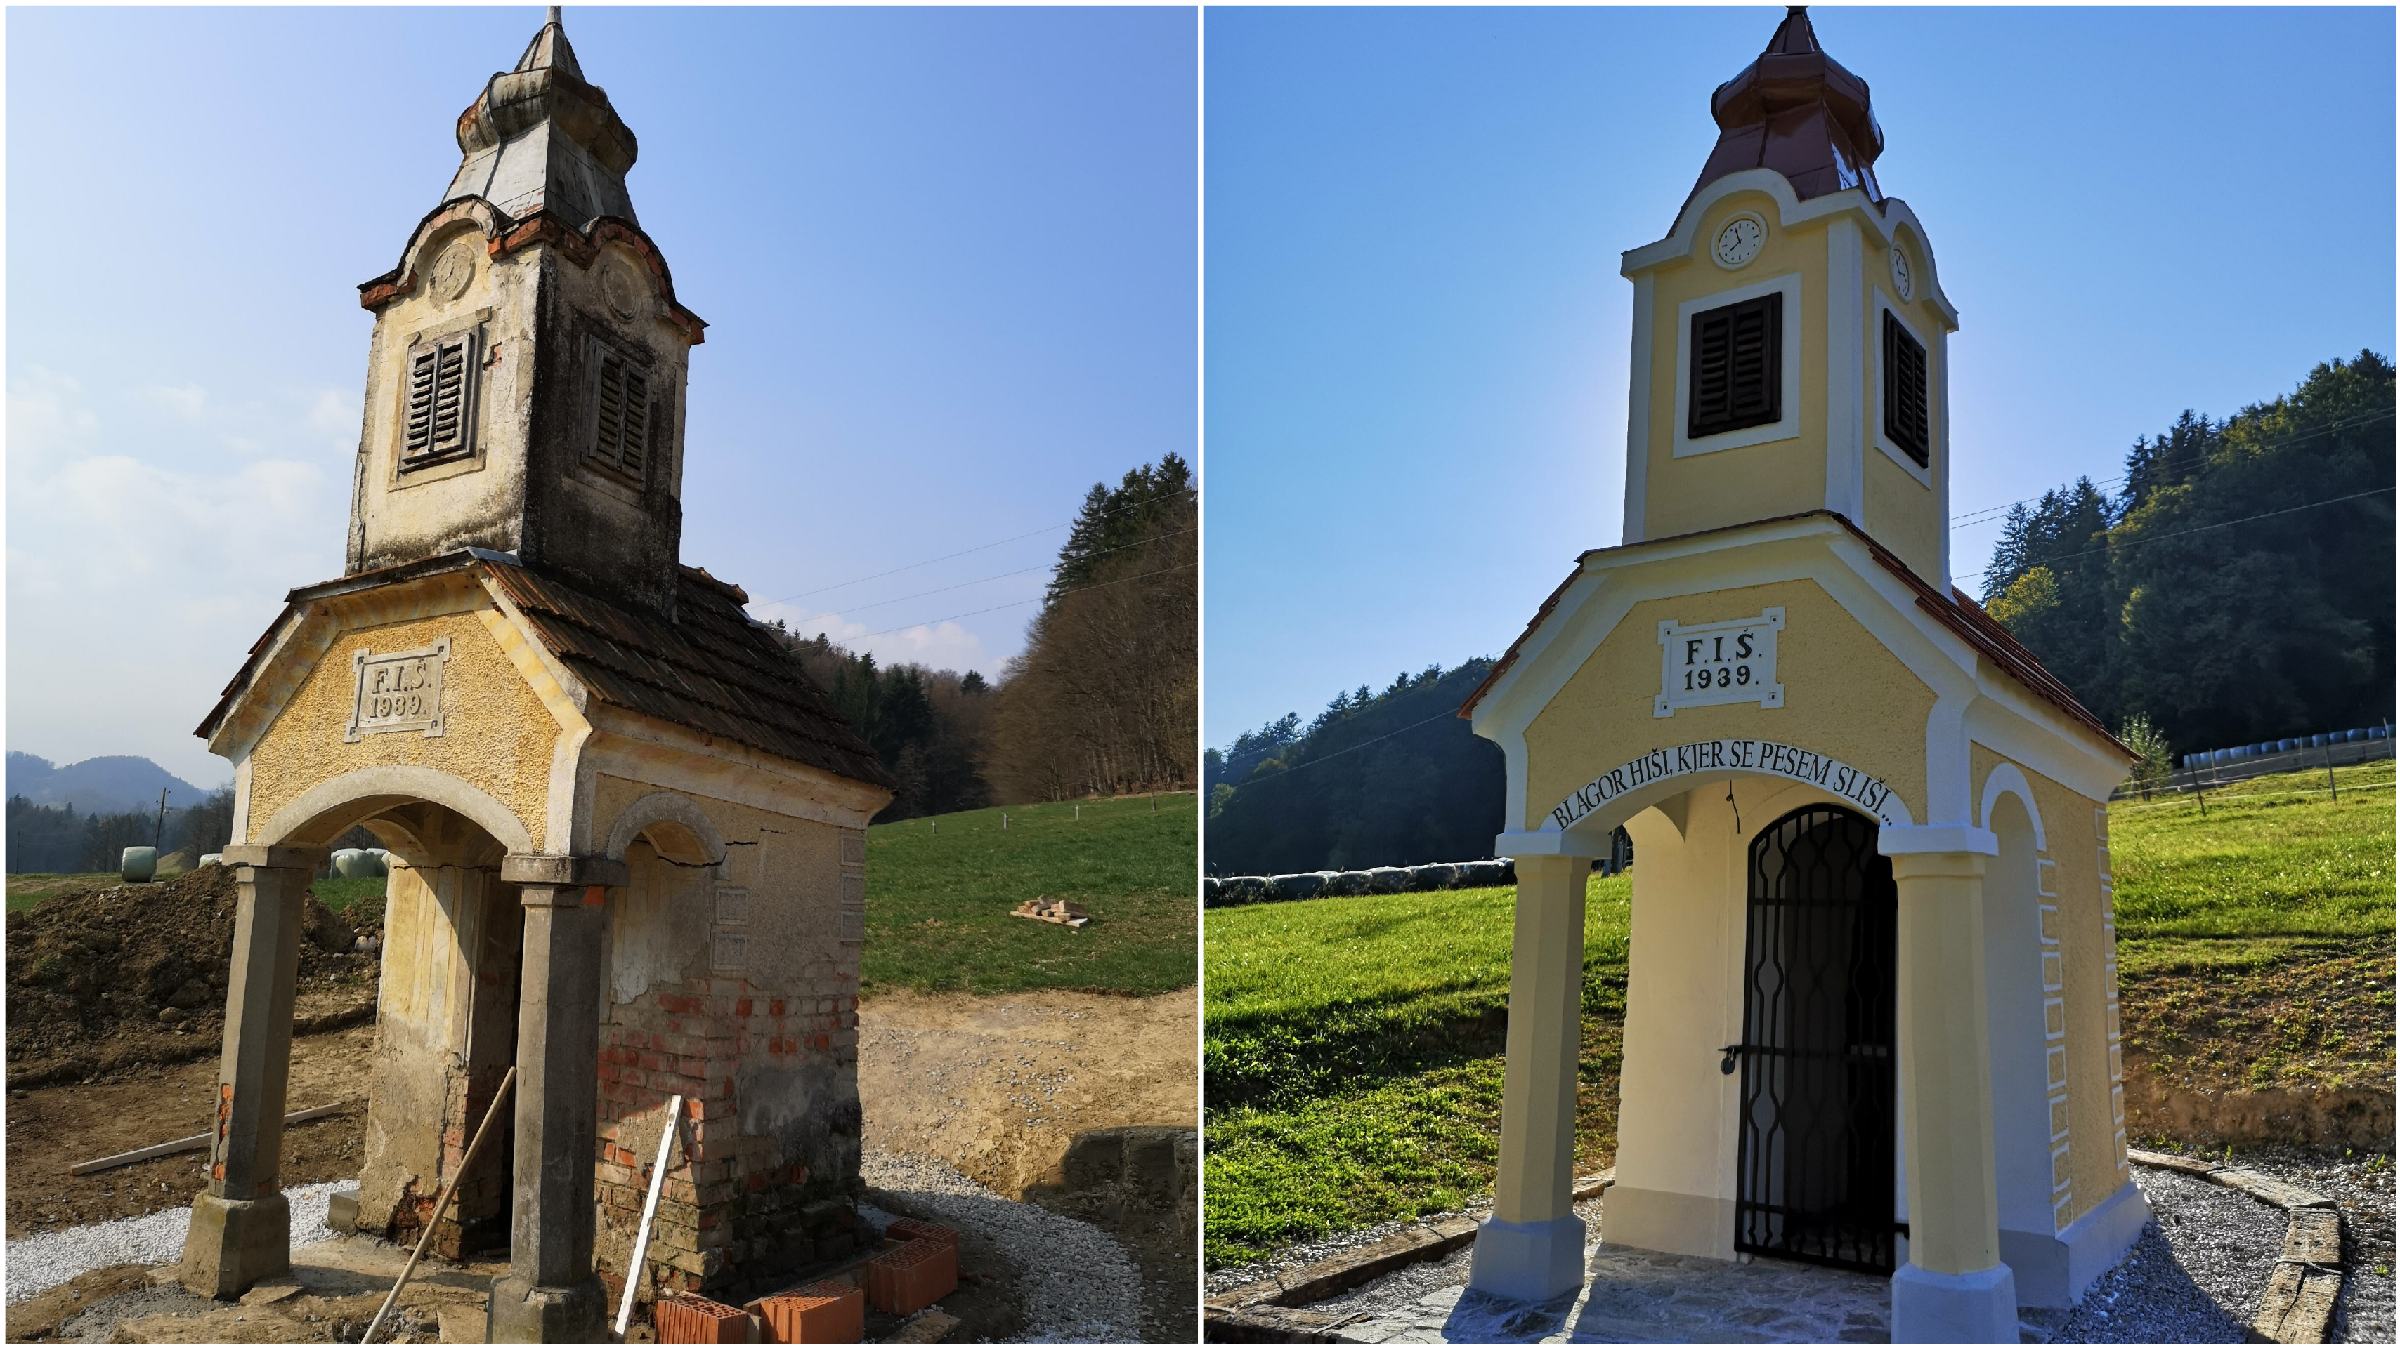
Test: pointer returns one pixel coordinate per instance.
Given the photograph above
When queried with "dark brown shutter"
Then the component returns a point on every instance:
(440, 425)
(1736, 366)
(621, 424)
(1907, 414)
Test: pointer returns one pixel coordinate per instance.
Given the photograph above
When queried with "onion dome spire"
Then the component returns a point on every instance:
(542, 138)
(1797, 111)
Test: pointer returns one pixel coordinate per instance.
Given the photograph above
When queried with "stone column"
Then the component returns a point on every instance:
(1954, 1289)
(241, 1226)
(550, 1293)
(1531, 1249)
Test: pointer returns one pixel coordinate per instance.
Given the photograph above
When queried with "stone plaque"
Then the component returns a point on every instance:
(398, 690)
(1709, 664)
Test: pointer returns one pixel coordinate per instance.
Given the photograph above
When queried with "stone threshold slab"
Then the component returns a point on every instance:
(2297, 1306)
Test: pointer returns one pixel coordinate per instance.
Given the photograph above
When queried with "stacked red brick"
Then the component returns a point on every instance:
(917, 1271)
(740, 1209)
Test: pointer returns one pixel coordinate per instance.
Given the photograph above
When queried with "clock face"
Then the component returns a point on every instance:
(1740, 240)
(1903, 280)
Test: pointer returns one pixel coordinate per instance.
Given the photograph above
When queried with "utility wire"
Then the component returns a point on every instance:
(964, 584)
(984, 547)
(1290, 768)
(2197, 529)
(1039, 598)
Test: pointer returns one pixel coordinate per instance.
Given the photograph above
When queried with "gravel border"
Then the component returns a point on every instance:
(38, 1263)
(1078, 1284)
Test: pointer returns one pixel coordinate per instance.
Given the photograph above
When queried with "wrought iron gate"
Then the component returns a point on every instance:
(1816, 1051)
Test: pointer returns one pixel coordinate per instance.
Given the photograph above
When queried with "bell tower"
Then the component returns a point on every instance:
(1790, 336)
(526, 376)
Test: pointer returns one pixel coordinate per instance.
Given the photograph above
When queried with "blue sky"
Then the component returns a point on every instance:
(1417, 333)
(947, 258)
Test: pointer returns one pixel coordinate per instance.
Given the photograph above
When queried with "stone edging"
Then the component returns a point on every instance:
(2297, 1306)
(1270, 1310)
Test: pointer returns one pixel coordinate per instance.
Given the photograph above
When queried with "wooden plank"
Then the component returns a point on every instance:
(639, 1264)
(195, 1142)
(2269, 1189)
(2298, 1304)
(2314, 1237)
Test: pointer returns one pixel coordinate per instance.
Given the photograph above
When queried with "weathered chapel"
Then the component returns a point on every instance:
(628, 835)
(1872, 1015)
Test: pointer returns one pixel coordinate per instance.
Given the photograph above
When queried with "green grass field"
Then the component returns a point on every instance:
(1353, 1045)
(939, 893)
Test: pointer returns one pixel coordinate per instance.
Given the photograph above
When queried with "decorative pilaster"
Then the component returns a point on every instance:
(1531, 1248)
(1954, 1289)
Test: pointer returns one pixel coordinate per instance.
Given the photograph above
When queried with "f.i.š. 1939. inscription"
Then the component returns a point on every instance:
(398, 690)
(1707, 664)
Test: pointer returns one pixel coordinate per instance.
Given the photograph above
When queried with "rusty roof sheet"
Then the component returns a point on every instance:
(1962, 616)
(712, 669)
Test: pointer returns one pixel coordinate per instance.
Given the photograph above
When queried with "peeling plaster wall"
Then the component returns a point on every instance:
(497, 735)
(735, 985)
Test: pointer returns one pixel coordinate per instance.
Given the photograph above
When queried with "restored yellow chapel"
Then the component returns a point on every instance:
(1871, 1015)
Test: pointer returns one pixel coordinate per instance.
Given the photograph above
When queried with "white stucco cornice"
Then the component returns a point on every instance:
(1885, 219)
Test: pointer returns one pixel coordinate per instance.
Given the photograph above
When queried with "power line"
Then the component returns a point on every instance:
(984, 547)
(1980, 513)
(964, 584)
(1072, 589)
(2198, 529)
(1291, 768)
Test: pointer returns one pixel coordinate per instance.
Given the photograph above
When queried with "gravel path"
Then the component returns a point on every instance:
(1078, 1284)
(39, 1263)
(2195, 1276)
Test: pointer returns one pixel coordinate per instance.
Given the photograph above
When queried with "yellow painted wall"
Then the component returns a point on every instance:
(1731, 486)
(1844, 695)
(1902, 513)
(497, 736)
(2095, 1164)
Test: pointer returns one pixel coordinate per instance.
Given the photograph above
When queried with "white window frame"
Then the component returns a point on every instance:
(1784, 427)
(1933, 411)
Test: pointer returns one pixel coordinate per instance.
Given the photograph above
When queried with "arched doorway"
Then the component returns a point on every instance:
(1818, 1051)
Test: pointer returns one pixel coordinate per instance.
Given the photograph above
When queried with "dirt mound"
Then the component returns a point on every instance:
(136, 973)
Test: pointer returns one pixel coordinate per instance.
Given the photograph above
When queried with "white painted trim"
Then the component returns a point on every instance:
(1902, 840)
(1845, 476)
(241, 805)
(643, 749)
(1614, 796)
(1787, 425)
(1949, 761)
(1637, 413)
(1552, 843)
(1887, 218)
(1935, 423)
(2009, 779)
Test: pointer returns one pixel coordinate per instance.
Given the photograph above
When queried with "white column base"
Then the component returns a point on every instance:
(1930, 1307)
(1528, 1261)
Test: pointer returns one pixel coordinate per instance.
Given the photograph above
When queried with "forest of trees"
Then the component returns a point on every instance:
(1105, 697)
(58, 839)
(2237, 586)
(1377, 779)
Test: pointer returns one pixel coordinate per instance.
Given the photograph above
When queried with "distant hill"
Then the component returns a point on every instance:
(105, 785)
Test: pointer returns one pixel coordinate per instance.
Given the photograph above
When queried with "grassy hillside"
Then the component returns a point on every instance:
(939, 892)
(1353, 1045)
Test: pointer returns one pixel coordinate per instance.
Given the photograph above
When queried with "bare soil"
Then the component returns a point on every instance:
(53, 1127)
(997, 1087)
(129, 976)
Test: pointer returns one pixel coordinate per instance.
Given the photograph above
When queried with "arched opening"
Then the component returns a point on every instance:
(447, 1002)
(2028, 1025)
(1818, 1048)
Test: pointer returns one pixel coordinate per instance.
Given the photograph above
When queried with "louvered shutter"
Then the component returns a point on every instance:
(1736, 366)
(1907, 414)
(621, 425)
(440, 424)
